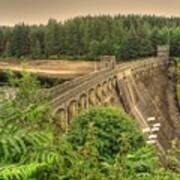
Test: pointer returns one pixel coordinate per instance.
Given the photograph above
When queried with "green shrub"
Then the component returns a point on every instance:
(109, 146)
(113, 131)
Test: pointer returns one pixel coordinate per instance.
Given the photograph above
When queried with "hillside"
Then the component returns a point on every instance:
(178, 81)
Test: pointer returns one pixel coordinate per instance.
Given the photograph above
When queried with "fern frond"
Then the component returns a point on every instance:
(19, 144)
(21, 172)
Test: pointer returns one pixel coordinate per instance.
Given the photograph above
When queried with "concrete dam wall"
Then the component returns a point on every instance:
(144, 88)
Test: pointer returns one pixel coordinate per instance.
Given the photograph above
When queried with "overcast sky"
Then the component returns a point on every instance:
(39, 11)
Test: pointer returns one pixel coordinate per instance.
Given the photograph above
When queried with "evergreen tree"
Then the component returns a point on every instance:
(20, 44)
(7, 52)
(1, 42)
(36, 49)
(130, 45)
(35, 46)
(94, 49)
(7, 36)
(52, 41)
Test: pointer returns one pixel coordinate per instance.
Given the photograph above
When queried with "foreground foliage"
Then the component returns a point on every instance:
(102, 143)
(178, 79)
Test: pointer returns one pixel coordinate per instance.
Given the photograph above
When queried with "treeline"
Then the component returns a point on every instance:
(89, 37)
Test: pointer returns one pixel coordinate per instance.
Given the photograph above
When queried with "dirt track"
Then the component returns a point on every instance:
(56, 68)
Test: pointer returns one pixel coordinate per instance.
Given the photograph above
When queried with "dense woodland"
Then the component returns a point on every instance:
(89, 37)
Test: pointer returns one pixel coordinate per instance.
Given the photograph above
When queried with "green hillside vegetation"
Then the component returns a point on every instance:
(102, 143)
(178, 80)
(89, 37)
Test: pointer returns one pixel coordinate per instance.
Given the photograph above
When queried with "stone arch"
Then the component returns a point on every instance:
(110, 85)
(136, 75)
(113, 81)
(99, 93)
(105, 89)
(72, 109)
(92, 97)
(61, 119)
(112, 100)
(82, 103)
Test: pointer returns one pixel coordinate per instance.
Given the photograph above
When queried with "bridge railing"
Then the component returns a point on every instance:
(91, 81)
(137, 65)
(75, 82)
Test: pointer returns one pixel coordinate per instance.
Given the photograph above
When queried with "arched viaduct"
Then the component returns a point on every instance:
(143, 88)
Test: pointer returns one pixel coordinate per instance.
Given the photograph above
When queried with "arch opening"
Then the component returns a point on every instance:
(72, 110)
(60, 119)
(92, 98)
(99, 94)
(82, 104)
